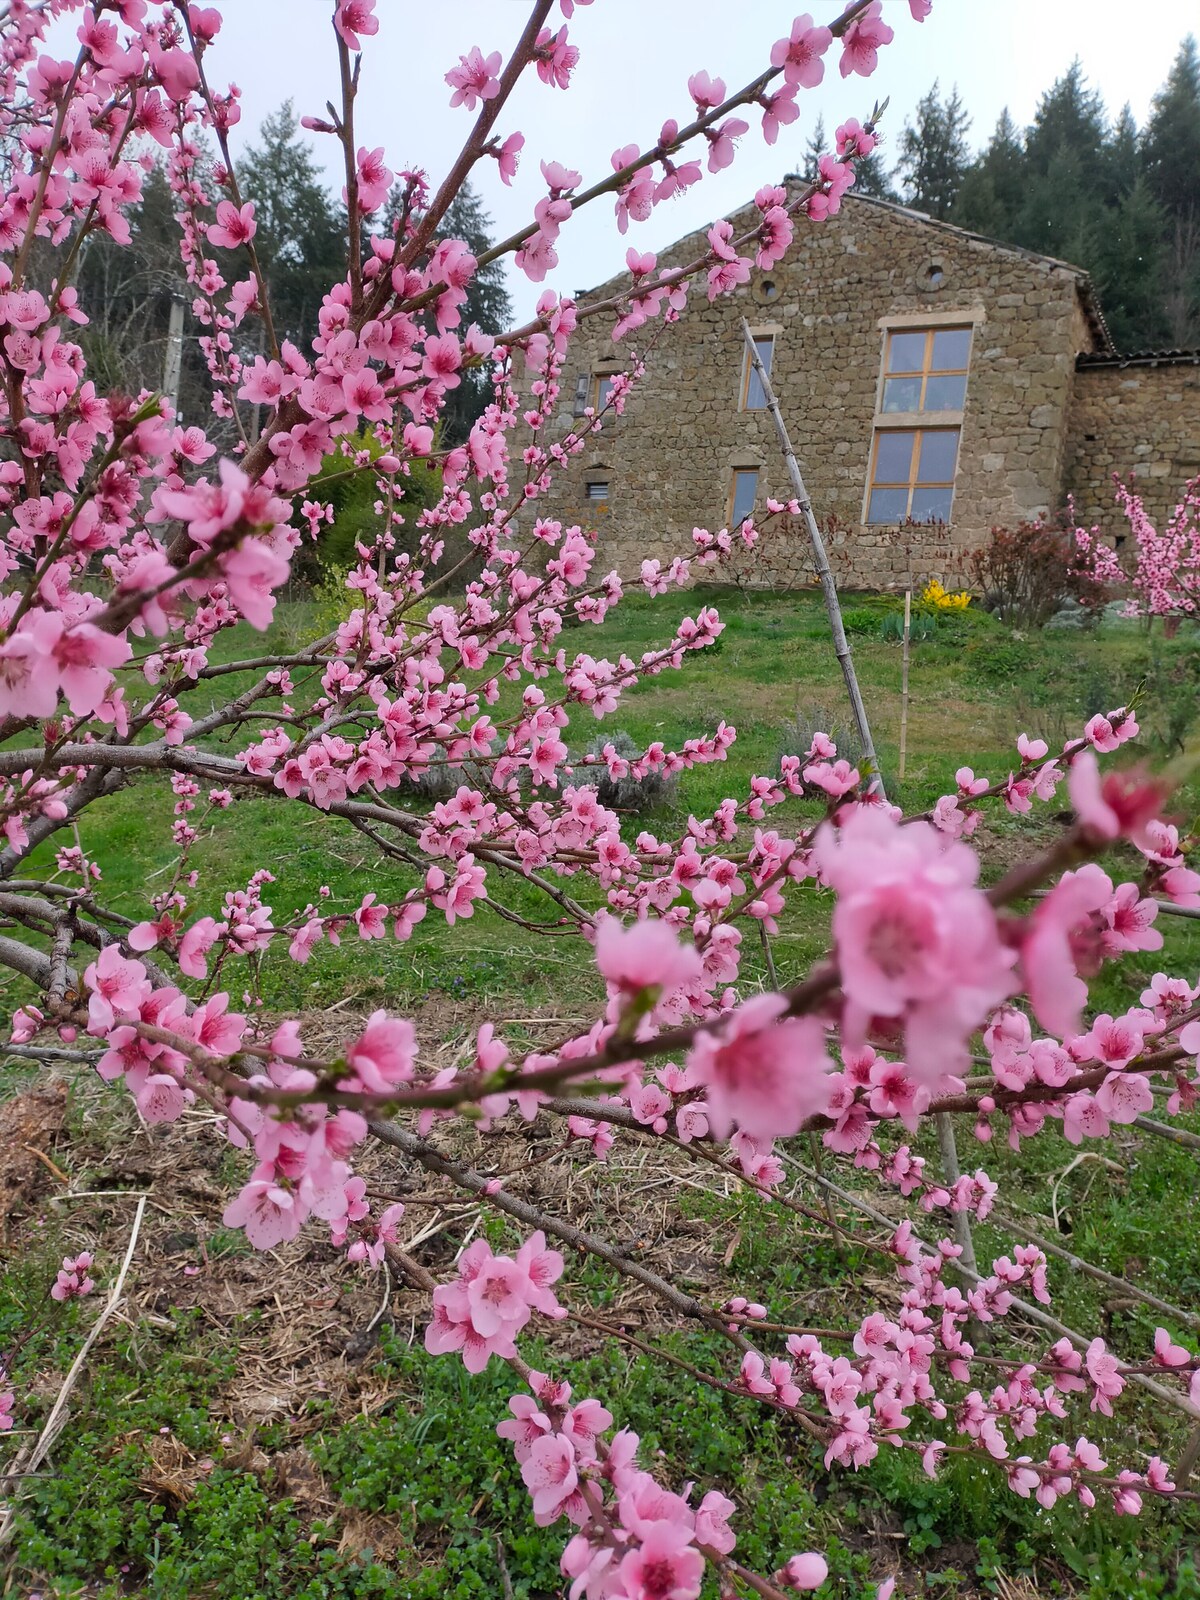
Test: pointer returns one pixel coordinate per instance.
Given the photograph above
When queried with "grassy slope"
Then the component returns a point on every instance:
(420, 1464)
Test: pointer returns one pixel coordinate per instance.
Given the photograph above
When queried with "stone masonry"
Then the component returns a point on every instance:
(667, 465)
(1139, 414)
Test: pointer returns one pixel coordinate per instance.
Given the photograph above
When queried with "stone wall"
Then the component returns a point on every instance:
(669, 459)
(1141, 416)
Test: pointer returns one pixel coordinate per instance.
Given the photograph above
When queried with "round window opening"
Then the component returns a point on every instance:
(768, 289)
(935, 276)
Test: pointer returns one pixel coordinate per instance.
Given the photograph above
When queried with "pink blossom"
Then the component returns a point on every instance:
(550, 1475)
(1063, 938)
(1102, 1369)
(1167, 1353)
(383, 1055)
(762, 1072)
(862, 41)
(355, 17)
(475, 78)
(267, 1211)
(800, 53)
(232, 227)
(916, 940)
(665, 1566)
(73, 1282)
(644, 955)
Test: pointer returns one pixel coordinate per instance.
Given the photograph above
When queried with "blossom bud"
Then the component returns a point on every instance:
(805, 1571)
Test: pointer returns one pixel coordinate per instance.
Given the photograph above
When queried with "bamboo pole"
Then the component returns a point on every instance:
(904, 685)
(821, 563)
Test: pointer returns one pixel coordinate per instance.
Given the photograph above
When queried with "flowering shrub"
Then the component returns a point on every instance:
(1027, 573)
(1166, 575)
(132, 544)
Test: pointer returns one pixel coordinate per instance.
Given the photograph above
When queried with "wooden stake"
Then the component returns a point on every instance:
(821, 563)
(904, 684)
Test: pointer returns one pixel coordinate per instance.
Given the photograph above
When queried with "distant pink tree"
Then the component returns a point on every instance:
(1166, 579)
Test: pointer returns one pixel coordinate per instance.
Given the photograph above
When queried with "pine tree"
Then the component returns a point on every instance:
(993, 187)
(1171, 152)
(1065, 158)
(300, 239)
(1123, 157)
(934, 156)
(1127, 260)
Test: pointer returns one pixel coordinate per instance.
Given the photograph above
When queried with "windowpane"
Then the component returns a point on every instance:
(745, 487)
(931, 505)
(603, 390)
(951, 349)
(906, 352)
(597, 491)
(945, 394)
(893, 457)
(755, 397)
(938, 452)
(902, 394)
(887, 505)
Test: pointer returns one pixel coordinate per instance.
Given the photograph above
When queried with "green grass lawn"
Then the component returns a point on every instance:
(418, 1492)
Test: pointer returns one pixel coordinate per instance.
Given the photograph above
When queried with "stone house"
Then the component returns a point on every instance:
(935, 383)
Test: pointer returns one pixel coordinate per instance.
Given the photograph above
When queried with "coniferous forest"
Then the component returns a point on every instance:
(1079, 183)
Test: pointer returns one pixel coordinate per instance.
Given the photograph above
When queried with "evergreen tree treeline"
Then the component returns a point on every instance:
(1120, 201)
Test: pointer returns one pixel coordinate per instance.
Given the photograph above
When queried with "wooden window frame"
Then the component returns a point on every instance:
(748, 369)
(926, 369)
(598, 379)
(734, 474)
(913, 482)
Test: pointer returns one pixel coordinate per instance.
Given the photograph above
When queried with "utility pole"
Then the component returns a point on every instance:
(173, 361)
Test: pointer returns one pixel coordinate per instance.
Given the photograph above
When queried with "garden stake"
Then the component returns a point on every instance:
(821, 562)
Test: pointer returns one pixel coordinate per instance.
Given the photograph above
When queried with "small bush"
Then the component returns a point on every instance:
(1029, 572)
(812, 719)
(654, 792)
(860, 619)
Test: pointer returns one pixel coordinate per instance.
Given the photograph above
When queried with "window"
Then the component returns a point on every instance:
(742, 495)
(753, 398)
(926, 369)
(912, 474)
(602, 383)
(597, 489)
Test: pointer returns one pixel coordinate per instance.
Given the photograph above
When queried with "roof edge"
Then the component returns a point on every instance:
(1137, 358)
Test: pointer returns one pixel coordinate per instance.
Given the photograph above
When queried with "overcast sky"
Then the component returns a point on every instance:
(636, 56)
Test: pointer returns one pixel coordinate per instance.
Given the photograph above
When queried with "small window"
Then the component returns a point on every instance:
(768, 289)
(602, 383)
(926, 369)
(743, 495)
(912, 475)
(597, 489)
(753, 397)
(936, 276)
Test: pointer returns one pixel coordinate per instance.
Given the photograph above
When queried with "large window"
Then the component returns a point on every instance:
(742, 495)
(753, 396)
(926, 369)
(912, 474)
(914, 454)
